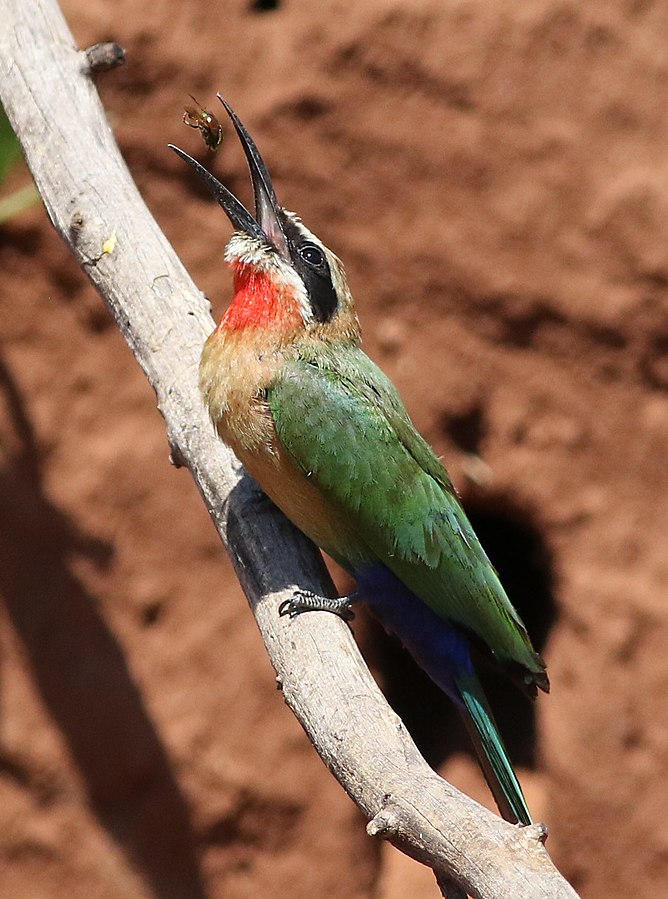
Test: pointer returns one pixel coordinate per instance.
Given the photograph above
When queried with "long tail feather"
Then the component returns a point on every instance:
(492, 755)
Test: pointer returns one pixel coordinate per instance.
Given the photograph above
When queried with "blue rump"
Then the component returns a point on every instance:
(438, 648)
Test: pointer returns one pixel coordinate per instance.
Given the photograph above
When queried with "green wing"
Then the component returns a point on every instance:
(343, 424)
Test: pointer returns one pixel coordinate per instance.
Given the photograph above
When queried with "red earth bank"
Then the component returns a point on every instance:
(495, 178)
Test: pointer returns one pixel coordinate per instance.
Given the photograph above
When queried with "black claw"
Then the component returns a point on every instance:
(287, 607)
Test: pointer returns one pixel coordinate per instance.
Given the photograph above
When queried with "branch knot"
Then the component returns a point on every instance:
(385, 823)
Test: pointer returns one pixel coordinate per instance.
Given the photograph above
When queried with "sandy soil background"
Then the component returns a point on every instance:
(495, 177)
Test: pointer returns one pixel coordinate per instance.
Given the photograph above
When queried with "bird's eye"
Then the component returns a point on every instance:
(312, 254)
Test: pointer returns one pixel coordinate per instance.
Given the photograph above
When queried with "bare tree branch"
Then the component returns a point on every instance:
(94, 205)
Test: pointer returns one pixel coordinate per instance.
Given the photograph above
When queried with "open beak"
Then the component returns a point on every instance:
(266, 226)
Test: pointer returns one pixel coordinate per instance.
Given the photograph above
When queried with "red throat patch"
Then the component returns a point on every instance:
(259, 303)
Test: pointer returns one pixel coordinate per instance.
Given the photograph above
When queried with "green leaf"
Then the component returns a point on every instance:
(10, 153)
(10, 149)
(16, 202)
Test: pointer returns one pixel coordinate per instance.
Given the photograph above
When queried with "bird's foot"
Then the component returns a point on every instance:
(306, 601)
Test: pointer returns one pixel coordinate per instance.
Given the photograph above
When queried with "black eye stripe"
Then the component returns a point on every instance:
(319, 287)
(313, 268)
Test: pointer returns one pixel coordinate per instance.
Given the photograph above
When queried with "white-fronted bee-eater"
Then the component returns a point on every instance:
(325, 434)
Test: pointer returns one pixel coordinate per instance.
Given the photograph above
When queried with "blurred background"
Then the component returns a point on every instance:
(495, 178)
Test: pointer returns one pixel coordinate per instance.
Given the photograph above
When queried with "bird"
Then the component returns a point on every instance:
(325, 434)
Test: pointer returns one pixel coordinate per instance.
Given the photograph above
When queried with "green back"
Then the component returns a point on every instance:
(344, 425)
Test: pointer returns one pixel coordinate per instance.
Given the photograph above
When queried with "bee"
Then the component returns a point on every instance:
(209, 126)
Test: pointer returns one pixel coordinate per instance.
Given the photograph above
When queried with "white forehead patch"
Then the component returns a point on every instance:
(301, 227)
